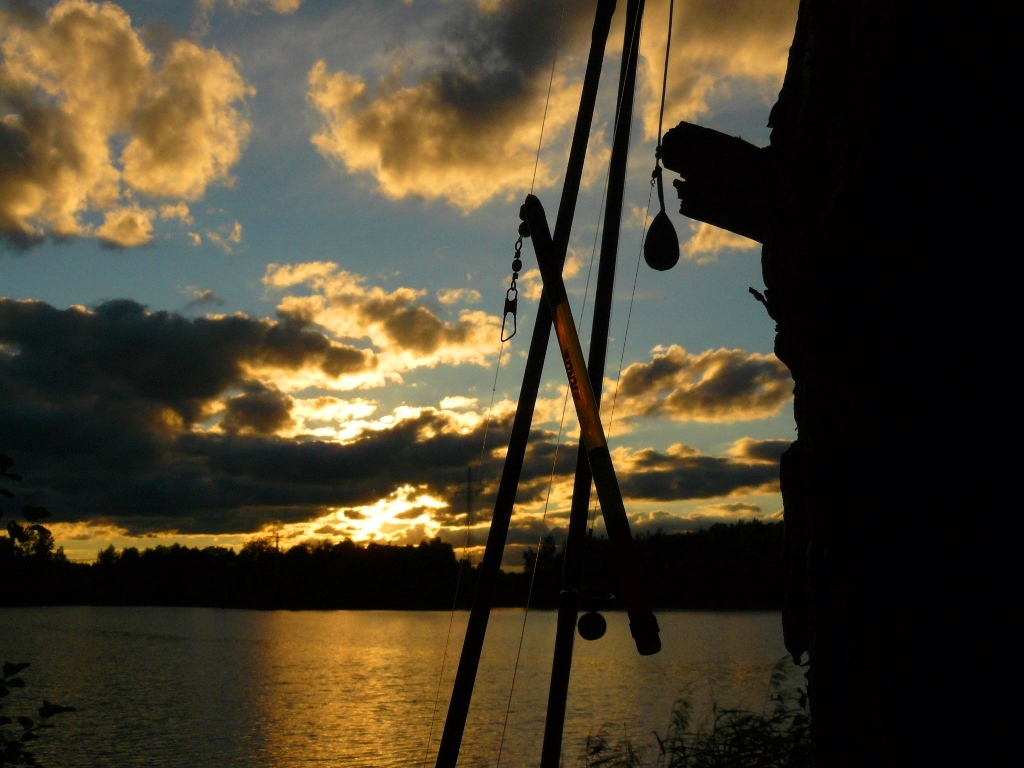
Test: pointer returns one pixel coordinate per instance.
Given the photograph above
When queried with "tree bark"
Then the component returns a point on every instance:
(885, 271)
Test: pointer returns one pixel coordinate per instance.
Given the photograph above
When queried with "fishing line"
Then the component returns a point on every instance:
(547, 101)
(593, 506)
(551, 478)
(462, 560)
(487, 423)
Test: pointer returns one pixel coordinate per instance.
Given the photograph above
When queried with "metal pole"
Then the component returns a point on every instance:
(572, 571)
(476, 629)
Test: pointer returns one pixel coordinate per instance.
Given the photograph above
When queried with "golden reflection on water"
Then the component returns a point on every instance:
(201, 687)
(369, 682)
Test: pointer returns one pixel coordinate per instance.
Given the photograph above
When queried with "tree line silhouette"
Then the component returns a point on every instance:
(732, 566)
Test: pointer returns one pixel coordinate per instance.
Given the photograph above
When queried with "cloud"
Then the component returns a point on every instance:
(260, 410)
(666, 522)
(683, 473)
(227, 238)
(530, 285)
(77, 86)
(254, 6)
(769, 451)
(126, 227)
(178, 211)
(406, 332)
(202, 298)
(154, 368)
(459, 296)
(467, 130)
(464, 127)
(720, 385)
(153, 422)
(708, 241)
(713, 43)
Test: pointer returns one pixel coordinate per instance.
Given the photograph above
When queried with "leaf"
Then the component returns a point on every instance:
(3, 690)
(7, 493)
(25, 722)
(28, 736)
(5, 462)
(12, 475)
(33, 513)
(15, 682)
(5, 720)
(12, 668)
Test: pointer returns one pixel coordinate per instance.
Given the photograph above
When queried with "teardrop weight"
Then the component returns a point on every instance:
(661, 248)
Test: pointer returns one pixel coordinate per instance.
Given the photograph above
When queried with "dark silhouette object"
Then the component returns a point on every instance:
(881, 203)
(32, 545)
(592, 625)
(643, 625)
(726, 181)
(18, 733)
(728, 567)
(661, 246)
(778, 736)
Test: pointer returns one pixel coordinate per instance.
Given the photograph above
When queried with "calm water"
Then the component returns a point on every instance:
(206, 687)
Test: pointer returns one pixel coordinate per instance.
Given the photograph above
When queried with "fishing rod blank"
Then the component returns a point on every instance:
(642, 623)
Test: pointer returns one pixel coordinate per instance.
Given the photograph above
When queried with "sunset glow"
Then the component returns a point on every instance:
(277, 311)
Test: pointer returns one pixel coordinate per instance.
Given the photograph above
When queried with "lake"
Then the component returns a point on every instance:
(210, 687)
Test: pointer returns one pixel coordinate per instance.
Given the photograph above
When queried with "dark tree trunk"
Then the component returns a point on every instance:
(885, 270)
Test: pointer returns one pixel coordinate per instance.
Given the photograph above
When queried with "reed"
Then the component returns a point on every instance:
(777, 737)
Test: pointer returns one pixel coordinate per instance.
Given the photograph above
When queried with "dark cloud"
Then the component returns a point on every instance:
(739, 507)
(682, 473)
(204, 298)
(760, 450)
(718, 385)
(652, 522)
(121, 357)
(259, 409)
(102, 411)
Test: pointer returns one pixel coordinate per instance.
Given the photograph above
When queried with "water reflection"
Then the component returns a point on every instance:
(202, 687)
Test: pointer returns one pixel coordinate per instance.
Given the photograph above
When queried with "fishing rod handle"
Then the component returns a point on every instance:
(642, 622)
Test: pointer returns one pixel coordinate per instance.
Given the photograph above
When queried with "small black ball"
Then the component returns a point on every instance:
(517, 265)
(592, 626)
(524, 229)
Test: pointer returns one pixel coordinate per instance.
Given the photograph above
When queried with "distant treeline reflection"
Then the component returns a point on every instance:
(736, 566)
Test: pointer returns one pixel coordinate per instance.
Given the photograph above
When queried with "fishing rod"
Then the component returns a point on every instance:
(569, 598)
(490, 565)
(642, 623)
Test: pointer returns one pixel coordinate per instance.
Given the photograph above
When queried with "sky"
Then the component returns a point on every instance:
(253, 257)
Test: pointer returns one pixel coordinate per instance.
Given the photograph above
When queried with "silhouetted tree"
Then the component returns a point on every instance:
(882, 206)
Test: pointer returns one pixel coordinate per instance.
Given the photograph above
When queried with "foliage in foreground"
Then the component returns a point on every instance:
(18, 733)
(33, 544)
(778, 737)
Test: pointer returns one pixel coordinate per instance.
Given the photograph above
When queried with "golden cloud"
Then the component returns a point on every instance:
(407, 333)
(708, 241)
(78, 83)
(416, 142)
(126, 227)
(720, 385)
(280, 6)
(712, 43)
